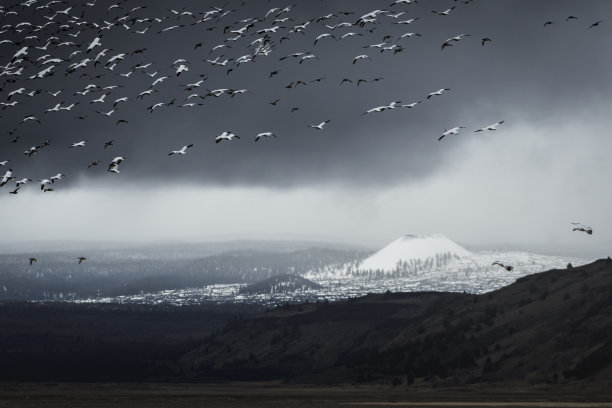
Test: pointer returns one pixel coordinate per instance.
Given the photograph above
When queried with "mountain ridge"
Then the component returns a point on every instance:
(549, 327)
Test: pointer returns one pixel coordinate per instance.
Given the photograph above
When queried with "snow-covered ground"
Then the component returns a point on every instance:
(408, 264)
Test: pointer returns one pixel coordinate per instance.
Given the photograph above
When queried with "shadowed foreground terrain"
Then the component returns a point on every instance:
(547, 328)
(102, 342)
(273, 395)
(540, 342)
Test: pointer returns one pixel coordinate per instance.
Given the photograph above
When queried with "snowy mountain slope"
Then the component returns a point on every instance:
(421, 263)
(413, 248)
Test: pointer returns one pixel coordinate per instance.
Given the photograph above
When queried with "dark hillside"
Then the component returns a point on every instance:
(551, 327)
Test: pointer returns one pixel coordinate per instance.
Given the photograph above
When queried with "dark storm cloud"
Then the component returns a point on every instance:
(527, 72)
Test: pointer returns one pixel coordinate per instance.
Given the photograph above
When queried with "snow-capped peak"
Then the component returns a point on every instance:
(413, 248)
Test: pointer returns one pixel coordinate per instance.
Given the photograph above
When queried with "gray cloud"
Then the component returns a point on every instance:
(379, 174)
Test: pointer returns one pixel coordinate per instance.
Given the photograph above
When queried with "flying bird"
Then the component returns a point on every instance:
(453, 131)
(181, 151)
(438, 92)
(582, 227)
(490, 127)
(81, 259)
(596, 24)
(226, 136)
(506, 267)
(264, 134)
(320, 125)
(32, 260)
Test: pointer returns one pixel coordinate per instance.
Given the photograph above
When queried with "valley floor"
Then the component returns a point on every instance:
(246, 395)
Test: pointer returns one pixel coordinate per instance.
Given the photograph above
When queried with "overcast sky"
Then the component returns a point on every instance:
(363, 179)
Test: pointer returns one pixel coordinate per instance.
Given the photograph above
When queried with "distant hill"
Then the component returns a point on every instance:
(550, 327)
(280, 284)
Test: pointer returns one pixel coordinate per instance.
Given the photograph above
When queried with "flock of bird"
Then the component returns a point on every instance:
(72, 43)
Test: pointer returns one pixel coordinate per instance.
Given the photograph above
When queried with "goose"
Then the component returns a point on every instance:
(94, 163)
(69, 107)
(351, 34)
(408, 35)
(100, 99)
(107, 114)
(32, 151)
(484, 40)
(145, 93)
(324, 35)
(3, 163)
(15, 92)
(490, 127)
(182, 151)
(596, 24)
(44, 183)
(226, 136)
(443, 13)
(264, 134)
(438, 92)
(7, 177)
(582, 227)
(81, 259)
(320, 125)
(15, 191)
(571, 18)
(411, 105)
(77, 144)
(108, 144)
(32, 260)
(307, 57)
(58, 176)
(410, 21)
(453, 131)
(56, 108)
(123, 99)
(96, 42)
(402, 2)
(506, 267)
(456, 38)
(158, 80)
(24, 180)
(181, 68)
(30, 117)
(361, 57)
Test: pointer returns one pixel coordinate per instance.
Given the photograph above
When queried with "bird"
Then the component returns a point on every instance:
(32, 260)
(548, 23)
(78, 144)
(506, 267)
(227, 135)
(264, 134)
(438, 92)
(361, 57)
(94, 163)
(320, 125)
(596, 24)
(571, 18)
(443, 13)
(15, 191)
(582, 227)
(7, 177)
(44, 183)
(108, 144)
(58, 176)
(490, 127)
(81, 259)
(484, 40)
(453, 131)
(181, 151)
